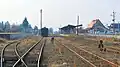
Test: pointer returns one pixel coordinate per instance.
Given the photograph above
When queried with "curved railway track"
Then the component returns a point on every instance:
(18, 55)
(31, 58)
(92, 59)
(4, 58)
(10, 56)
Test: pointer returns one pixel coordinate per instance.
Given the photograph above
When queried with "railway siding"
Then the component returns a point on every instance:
(27, 54)
(4, 55)
(9, 53)
(96, 60)
(55, 55)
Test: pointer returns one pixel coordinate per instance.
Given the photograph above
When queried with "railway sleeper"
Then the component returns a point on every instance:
(44, 65)
(9, 63)
(113, 51)
(31, 62)
(6, 58)
(30, 58)
(32, 65)
(8, 66)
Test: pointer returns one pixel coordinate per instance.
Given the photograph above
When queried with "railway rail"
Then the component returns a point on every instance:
(18, 55)
(3, 58)
(92, 59)
(14, 58)
(31, 58)
(114, 48)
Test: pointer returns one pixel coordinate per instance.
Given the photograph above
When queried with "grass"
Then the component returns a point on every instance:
(108, 43)
(92, 40)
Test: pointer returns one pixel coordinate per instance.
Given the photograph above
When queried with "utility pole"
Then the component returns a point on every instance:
(77, 23)
(113, 19)
(40, 20)
(118, 26)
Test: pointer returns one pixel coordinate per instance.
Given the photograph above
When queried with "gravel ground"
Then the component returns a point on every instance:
(2, 44)
(26, 43)
(9, 54)
(92, 46)
(56, 55)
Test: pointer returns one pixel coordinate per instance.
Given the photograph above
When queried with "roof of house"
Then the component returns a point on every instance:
(95, 24)
(68, 26)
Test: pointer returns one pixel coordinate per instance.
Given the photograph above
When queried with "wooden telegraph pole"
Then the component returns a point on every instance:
(113, 19)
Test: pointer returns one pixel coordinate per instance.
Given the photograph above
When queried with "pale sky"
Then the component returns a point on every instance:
(58, 13)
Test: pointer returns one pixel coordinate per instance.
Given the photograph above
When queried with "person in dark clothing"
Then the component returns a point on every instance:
(52, 39)
(101, 46)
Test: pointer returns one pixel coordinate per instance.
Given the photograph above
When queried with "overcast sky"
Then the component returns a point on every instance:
(58, 13)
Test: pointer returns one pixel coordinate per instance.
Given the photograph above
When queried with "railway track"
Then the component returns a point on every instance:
(88, 57)
(116, 49)
(112, 49)
(32, 57)
(8, 55)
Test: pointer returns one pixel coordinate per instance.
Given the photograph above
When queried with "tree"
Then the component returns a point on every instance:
(50, 30)
(25, 24)
(2, 25)
(21, 29)
(29, 29)
(15, 28)
(35, 30)
(7, 27)
(1, 29)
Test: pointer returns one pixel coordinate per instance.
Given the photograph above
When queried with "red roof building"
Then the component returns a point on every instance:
(96, 26)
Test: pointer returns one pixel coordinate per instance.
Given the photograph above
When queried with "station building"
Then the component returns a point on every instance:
(115, 27)
(69, 29)
(96, 27)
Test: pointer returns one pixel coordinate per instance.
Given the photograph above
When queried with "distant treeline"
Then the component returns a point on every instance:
(24, 27)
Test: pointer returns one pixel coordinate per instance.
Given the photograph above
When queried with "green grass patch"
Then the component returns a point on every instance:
(108, 43)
